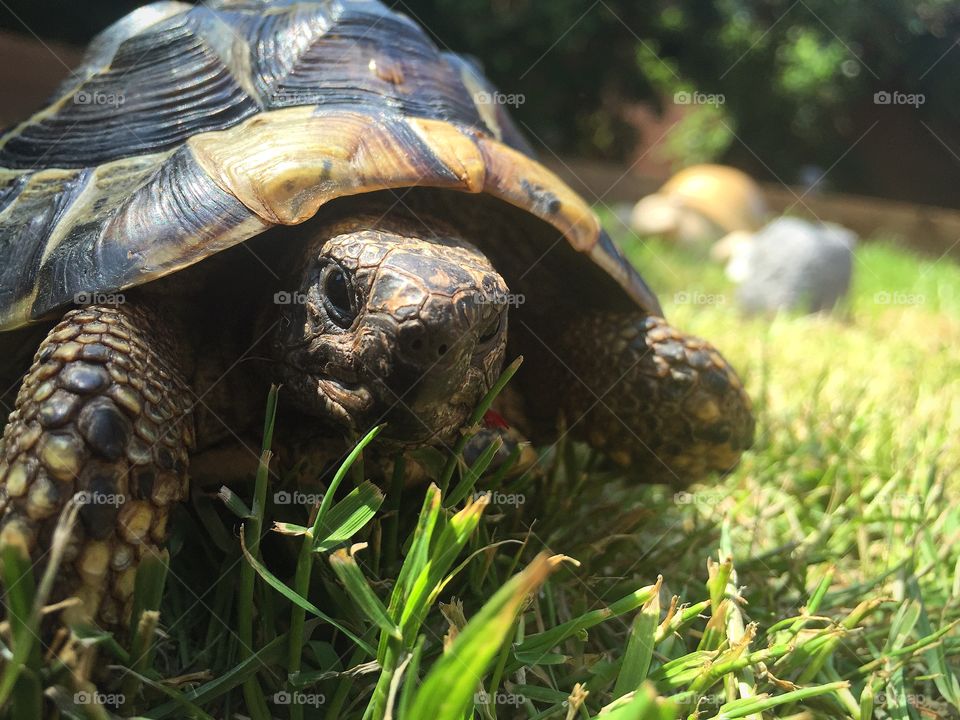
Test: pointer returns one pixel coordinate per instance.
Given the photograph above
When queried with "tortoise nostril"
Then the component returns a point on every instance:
(425, 347)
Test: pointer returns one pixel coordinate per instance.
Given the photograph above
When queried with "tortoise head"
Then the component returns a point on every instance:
(395, 320)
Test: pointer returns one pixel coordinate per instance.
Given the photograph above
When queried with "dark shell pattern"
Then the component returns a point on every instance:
(128, 174)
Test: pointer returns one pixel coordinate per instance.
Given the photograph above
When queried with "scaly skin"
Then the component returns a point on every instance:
(103, 415)
(651, 397)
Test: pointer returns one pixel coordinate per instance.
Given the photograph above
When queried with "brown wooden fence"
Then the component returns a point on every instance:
(925, 228)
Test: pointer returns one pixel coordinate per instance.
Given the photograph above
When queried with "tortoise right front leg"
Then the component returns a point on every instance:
(645, 394)
(103, 415)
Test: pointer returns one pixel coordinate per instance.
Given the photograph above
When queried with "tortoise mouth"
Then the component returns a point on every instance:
(411, 422)
(343, 394)
(356, 404)
(337, 395)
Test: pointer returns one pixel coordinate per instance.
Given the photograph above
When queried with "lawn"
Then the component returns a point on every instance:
(819, 580)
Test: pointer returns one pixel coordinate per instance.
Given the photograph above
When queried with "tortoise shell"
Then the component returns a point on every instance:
(189, 129)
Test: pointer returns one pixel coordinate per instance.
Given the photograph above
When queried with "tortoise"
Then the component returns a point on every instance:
(235, 194)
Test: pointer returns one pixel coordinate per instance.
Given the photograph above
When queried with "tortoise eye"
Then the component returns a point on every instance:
(338, 297)
(491, 328)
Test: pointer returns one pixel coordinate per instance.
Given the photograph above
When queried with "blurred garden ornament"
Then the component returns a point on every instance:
(701, 204)
(791, 264)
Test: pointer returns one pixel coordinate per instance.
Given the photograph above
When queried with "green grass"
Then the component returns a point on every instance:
(820, 580)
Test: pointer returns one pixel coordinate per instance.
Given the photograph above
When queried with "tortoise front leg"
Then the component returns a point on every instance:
(650, 397)
(104, 416)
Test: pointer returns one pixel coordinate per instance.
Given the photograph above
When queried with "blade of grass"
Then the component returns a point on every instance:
(448, 689)
(148, 592)
(217, 688)
(252, 692)
(26, 601)
(636, 658)
(456, 454)
(308, 547)
(349, 516)
(278, 585)
(644, 705)
(346, 568)
(411, 680)
(26, 701)
(751, 706)
(19, 584)
(469, 481)
(437, 543)
(541, 644)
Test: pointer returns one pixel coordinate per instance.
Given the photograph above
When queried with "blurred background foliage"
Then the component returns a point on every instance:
(798, 79)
